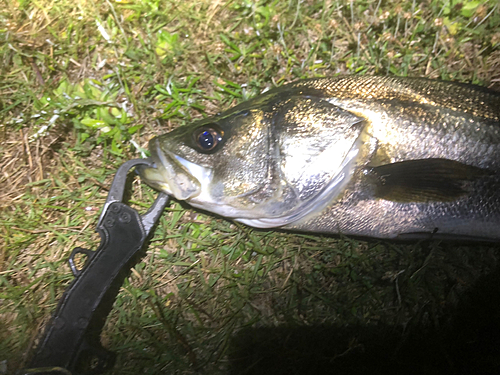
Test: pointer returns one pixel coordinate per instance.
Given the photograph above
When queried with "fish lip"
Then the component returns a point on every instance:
(176, 178)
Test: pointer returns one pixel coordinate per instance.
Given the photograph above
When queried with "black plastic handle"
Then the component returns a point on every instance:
(72, 339)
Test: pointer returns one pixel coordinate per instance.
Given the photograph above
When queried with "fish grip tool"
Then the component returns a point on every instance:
(71, 343)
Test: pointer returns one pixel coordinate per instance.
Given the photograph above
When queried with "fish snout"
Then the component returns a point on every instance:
(169, 175)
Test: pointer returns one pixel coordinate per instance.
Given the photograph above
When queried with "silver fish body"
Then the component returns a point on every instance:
(378, 157)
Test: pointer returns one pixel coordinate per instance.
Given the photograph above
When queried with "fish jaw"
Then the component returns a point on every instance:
(172, 174)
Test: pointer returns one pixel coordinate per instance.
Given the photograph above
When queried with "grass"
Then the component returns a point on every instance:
(84, 85)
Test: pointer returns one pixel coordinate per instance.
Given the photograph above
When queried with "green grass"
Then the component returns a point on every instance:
(85, 85)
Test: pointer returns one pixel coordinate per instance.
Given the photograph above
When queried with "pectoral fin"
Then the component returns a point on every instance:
(424, 180)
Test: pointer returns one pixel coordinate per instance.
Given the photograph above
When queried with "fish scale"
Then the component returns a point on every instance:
(452, 95)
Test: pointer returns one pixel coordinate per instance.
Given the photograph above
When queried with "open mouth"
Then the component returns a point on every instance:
(174, 175)
(153, 177)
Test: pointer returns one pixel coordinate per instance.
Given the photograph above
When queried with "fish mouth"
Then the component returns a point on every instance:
(172, 174)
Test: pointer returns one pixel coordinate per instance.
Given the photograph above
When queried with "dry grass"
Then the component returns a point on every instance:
(211, 296)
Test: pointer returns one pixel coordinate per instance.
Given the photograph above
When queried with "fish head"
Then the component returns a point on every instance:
(266, 163)
(211, 161)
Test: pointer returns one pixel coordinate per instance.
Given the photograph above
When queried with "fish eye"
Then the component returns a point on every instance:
(208, 137)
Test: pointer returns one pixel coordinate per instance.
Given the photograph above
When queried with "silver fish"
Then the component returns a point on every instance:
(385, 157)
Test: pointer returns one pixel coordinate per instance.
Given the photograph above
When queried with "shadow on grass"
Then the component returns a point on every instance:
(467, 341)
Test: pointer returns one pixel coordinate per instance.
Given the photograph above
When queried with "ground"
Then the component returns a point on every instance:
(84, 85)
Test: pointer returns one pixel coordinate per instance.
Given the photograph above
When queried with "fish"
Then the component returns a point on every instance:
(366, 156)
